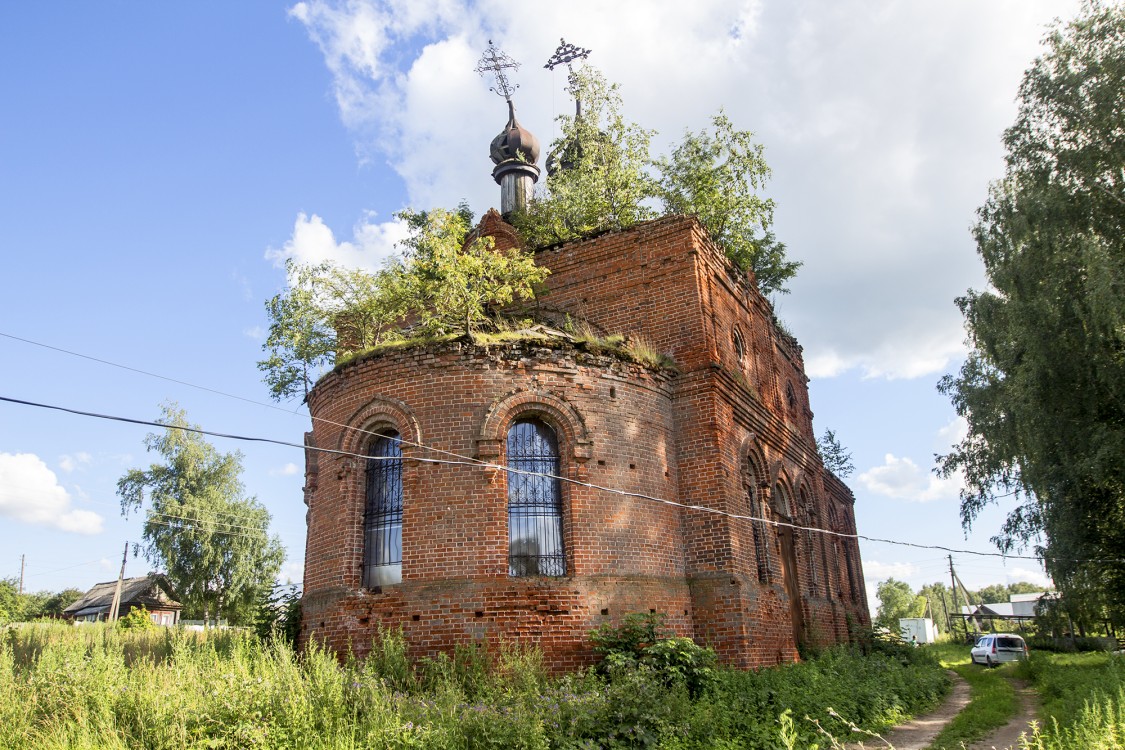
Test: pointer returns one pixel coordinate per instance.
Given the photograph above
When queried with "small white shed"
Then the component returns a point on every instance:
(921, 628)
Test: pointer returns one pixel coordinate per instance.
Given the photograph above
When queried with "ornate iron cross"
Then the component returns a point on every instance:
(566, 53)
(495, 61)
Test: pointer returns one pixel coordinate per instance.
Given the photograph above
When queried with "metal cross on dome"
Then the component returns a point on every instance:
(495, 61)
(566, 53)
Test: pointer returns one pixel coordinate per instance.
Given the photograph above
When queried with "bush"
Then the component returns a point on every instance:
(641, 641)
(136, 619)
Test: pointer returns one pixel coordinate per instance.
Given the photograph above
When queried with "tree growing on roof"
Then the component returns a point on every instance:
(597, 171)
(212, 540)
(445, 282)
(716, 175)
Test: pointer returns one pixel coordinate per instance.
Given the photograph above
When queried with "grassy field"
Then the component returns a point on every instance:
(94, 687)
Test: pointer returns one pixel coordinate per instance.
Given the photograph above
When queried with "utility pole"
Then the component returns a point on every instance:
(953, 580)
(115, 608)
(948, 613)
(22, 560)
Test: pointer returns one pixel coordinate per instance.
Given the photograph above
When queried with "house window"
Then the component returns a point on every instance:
(535, 543)
(739, 346)
(382, 518)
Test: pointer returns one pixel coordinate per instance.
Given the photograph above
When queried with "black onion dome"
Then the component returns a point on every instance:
(514, 142)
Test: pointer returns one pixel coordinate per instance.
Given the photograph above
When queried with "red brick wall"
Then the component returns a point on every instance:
(690, 437)
(667, 282)
(614, 425)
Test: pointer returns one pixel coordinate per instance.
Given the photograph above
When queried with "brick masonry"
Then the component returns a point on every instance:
(731, 430)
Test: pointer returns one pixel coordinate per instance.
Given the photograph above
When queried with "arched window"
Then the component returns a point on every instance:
(809, 521)
(759, 532)
(757, 527)
(382, 517)
(535, 539)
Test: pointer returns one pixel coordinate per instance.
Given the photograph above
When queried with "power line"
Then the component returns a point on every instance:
(467, 461)
(275, 407)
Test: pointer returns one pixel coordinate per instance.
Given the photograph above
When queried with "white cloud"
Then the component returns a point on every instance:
(873, 570)
(952, 433)
(69, 463)
(292, 572)
(902, 479)
(287, 470)
(30, 492)
(313, 242)
(1038, 577)
(255, 332)
(882, 128)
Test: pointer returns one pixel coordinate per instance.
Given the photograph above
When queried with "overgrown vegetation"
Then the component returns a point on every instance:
(450, 282)
(837, 459)
(444, 282)
(17, 607)
(602, 176)
(99, 687)
(1083, 701)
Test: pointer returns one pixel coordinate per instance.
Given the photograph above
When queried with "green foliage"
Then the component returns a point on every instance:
(9, 600)
(601, 183)
(837, 459)
(940, 600)
(716, 176)
(301, 340)
(642, 642)
(450, 285)
(1083, 701)
(636, 632)
(897, 600)
(1043, 387)
(54, 604)
(278, 613)
(445, 282)
(213, 541)
(136, 619)
(17, 607)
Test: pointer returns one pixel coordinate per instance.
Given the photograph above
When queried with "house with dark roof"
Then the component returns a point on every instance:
(153, 592)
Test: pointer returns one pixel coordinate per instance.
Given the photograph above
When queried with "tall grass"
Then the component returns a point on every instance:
(1083, 701)
(96, 687)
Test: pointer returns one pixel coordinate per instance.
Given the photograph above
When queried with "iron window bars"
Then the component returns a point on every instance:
(535, 544)
(382, 518)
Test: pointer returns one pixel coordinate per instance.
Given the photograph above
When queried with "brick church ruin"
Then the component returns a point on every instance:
(454, 548)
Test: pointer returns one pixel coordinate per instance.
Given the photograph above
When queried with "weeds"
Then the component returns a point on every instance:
(97, 687)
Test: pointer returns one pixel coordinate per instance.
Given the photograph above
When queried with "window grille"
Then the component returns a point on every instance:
(810, 522)
(760, 551)
(382, 518)
(535, 544)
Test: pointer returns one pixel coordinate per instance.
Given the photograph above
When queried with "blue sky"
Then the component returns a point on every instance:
(158, 161)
